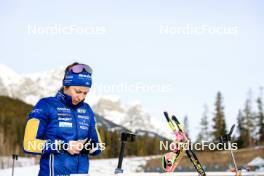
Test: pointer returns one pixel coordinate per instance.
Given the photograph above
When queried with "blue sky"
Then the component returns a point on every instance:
(133, 50)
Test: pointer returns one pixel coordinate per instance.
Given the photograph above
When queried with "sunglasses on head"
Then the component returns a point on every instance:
(80, 68)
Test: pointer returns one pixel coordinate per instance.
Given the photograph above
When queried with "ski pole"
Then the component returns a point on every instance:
(15, 157)
(227, 139)
(233, 157)
(231, 151)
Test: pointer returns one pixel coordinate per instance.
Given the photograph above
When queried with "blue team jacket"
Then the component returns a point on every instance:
(56, 119)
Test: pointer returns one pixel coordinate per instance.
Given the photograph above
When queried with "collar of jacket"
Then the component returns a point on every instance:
(67, 100)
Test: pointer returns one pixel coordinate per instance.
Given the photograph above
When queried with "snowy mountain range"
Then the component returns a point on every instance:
(109, 109)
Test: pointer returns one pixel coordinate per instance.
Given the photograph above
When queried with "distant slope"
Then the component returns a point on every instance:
(107, 124)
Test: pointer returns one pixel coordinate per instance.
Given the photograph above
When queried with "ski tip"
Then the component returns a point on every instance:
(166, 115)
(231, 130)
(175, 119)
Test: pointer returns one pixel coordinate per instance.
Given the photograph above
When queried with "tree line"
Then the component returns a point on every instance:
(249, 122)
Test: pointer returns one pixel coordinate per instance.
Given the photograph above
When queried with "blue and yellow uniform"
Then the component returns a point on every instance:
(55, 119)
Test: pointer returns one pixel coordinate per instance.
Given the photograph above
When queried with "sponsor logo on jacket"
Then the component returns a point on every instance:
(37, 111)
(83, 117)
(84, 76)
(65, 124)
(81, 111)
(63, 109)
(69, 77)
(64, 119)
(84, 127)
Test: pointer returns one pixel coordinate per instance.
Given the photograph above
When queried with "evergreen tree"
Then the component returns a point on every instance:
(186, 126)
(219, 124)
(260, 118)
(13, 114)
(242, 132)
(249, 123)
(204, 133)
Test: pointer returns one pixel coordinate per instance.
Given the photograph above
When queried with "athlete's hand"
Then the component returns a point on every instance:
(75, 147)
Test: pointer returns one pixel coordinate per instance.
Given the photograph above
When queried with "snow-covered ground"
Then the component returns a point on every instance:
(132, 167)
(107, 166)
(7, 162)
(98, 167)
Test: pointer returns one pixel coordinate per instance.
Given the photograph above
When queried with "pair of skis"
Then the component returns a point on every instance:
(171, 160)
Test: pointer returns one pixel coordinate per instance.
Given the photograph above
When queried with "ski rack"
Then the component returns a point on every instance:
(191, 155)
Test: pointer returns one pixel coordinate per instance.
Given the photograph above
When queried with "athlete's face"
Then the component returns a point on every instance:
(78, 93)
